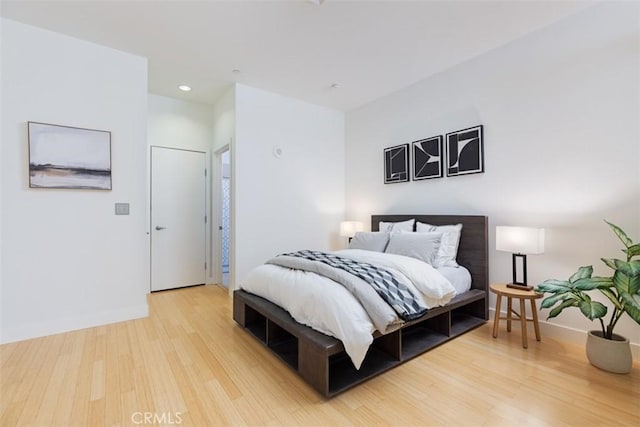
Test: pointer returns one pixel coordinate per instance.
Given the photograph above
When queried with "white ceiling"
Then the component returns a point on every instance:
(295, 48)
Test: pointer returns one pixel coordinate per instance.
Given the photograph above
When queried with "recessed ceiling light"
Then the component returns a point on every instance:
(335, 85)
(235, 71)
(184, 88)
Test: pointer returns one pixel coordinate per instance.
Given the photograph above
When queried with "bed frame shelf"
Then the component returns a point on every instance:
(321, 360)
(343, 375)
(419, 338)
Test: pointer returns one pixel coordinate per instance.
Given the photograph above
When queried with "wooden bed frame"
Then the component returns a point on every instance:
(321, 360)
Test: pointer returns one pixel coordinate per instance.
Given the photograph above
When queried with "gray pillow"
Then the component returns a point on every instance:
(450, 241)
(370, 241)
(422, 246)
(394, 227)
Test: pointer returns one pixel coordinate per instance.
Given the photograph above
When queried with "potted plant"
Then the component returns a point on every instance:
(605, 349)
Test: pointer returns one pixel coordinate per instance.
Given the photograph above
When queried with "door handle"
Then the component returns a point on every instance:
(160, 228)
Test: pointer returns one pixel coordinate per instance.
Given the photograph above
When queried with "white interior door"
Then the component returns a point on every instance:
(178, 211)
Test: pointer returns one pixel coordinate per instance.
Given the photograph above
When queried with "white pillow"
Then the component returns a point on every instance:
(448, 250)
(369, 241)
(422, 246)
(396, 226)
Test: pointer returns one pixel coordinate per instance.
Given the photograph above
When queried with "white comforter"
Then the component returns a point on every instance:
(328, 307)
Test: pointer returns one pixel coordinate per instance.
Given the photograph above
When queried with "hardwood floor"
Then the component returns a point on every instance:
(190, 364)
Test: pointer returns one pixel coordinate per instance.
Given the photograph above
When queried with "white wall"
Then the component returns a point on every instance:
(292, 202)
(1, 174)
(68, 261)
(224, 119)
(174, 123)
(560, 109)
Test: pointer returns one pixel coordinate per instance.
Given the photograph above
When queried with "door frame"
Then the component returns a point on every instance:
(207, 201)
(216, 217)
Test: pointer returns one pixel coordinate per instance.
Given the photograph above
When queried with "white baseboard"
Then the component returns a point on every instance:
(567, 334)
(57, 326)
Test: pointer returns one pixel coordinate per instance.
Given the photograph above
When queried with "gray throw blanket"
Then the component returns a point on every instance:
(366, 282)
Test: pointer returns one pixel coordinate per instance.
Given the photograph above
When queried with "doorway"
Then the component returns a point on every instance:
(225, 214)
(178, 218)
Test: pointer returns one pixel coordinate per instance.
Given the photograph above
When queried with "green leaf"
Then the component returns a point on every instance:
(625, 283)
(581, 273)
(593, 309)
(554, 286)
(590, 283)
(550, 301)
(635, 266)
(633, 250)
(613, 297)
(631, 268)
(611, 263)
(632, 306)
(565, 304)
(626, 241)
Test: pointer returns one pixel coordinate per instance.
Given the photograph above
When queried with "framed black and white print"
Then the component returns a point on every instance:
(465, 151)
(427, 158)
(396, 164)
(69, 157)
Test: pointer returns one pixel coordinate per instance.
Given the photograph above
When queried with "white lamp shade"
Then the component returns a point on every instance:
(350, 228)
(520, 240)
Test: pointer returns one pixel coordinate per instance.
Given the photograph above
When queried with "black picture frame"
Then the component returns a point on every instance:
(396, 164)
(428, 159)
(465, 151)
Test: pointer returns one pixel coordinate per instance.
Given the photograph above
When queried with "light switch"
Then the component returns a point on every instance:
(122, 208)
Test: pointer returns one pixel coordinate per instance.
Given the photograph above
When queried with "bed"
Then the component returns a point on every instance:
(321, 360)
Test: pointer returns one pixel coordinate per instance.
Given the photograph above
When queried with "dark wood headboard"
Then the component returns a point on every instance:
(473, 252)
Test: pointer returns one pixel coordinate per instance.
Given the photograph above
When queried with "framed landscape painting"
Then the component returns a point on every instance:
(69, 157)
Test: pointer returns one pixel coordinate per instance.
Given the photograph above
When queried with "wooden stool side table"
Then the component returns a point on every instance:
(501, 290)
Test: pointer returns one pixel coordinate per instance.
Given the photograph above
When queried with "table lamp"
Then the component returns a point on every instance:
(520, 241)
(350, 228)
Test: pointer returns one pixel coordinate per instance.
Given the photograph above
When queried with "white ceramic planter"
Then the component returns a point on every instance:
(610, 355)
